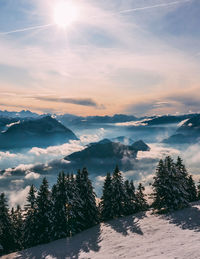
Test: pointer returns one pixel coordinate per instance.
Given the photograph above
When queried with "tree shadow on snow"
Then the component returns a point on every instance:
(127, 224)
(188, 218)
(66, 248)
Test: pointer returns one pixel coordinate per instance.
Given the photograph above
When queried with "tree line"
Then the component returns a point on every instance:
(71, 205)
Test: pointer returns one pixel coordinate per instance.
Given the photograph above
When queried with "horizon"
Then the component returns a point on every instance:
(103, 115)
(108, 57)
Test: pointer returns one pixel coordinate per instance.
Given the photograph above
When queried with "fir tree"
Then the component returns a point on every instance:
(118, 193)
(75, 207)
(198, 190)
(44, 213)
(30, 222)
(89, 209)
(7, 237)
(106, 206)
(192, 191)
(18, 227)
(183, 179)
(59, 208)
(169, 186)
(130, 198)
(140, 198)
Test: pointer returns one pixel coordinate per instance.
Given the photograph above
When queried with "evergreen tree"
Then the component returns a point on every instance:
(18, 227)
(183, 179)
(118, 193)
(192, 191)
(59, 208)
(89, 209)
(75, 207)
(30, 222)
(7, 237)
(140, 198)
(198, 190)
(130, 198)
(169, 186)
(106, 205)
(44, 213)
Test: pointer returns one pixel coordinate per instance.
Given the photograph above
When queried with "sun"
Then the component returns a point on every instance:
(65, 13)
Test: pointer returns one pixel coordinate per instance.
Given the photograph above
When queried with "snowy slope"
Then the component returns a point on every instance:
(141, 236)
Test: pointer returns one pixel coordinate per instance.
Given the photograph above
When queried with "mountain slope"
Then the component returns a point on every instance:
(188, 132)
(142, 236)
(41, 132)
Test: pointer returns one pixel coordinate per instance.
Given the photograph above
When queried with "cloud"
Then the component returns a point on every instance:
(78, 101)
(32, 175)
(89, 138)
(184, 101)
(92, 59)
(18, 197)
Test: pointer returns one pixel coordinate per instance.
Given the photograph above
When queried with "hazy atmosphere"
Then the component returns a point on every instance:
(99, 128)
(138, 57)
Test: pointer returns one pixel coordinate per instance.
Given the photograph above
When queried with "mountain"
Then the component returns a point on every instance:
(140, 146)
(42, 132)
(103, 156)
(124, 140)
(21, 114)
(139, 236)
(99, 158)
(188, 132)
(90, 121)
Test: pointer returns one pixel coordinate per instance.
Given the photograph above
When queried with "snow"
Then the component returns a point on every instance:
(134, 123)
(11, 124)
(182, 122)
(142, 236)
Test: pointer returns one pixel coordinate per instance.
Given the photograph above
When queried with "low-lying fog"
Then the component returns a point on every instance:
(16, 186)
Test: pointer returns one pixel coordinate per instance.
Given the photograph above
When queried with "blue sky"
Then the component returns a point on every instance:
(121, 56)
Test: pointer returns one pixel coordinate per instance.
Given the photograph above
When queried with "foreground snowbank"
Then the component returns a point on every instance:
(140, 236)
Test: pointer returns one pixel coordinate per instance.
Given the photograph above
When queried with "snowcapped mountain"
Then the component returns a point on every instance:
(39, 132)
(21, 114)
(140, 236)
(188, 132)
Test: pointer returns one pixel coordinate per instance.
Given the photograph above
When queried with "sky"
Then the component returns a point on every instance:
(139, 57)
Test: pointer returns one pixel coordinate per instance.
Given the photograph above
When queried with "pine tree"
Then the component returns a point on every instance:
(106, 205)
(75, 207)
(59, 208)
(169, 186)
(18, 227)
(140, 198)
(191, 189)
(118, 193)
(89, 209)
(44, 213)
(198, 190)
(7, 237)
(183, 179)
(30, 222)
(130, 198)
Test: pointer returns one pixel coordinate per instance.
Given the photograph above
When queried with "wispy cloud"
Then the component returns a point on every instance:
(78, 101)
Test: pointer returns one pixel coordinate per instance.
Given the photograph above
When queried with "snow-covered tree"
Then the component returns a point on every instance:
(59, 208)
(170, 184)
(7, 235)
(198, 190)
(44, 206)
(141, 203)
(106, 205)
(89, 211)
(30, 222)
(18, 227)
(130, 198)
(118, 193)
(191, 189)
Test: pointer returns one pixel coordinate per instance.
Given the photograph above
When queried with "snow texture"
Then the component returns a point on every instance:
(142, 236)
